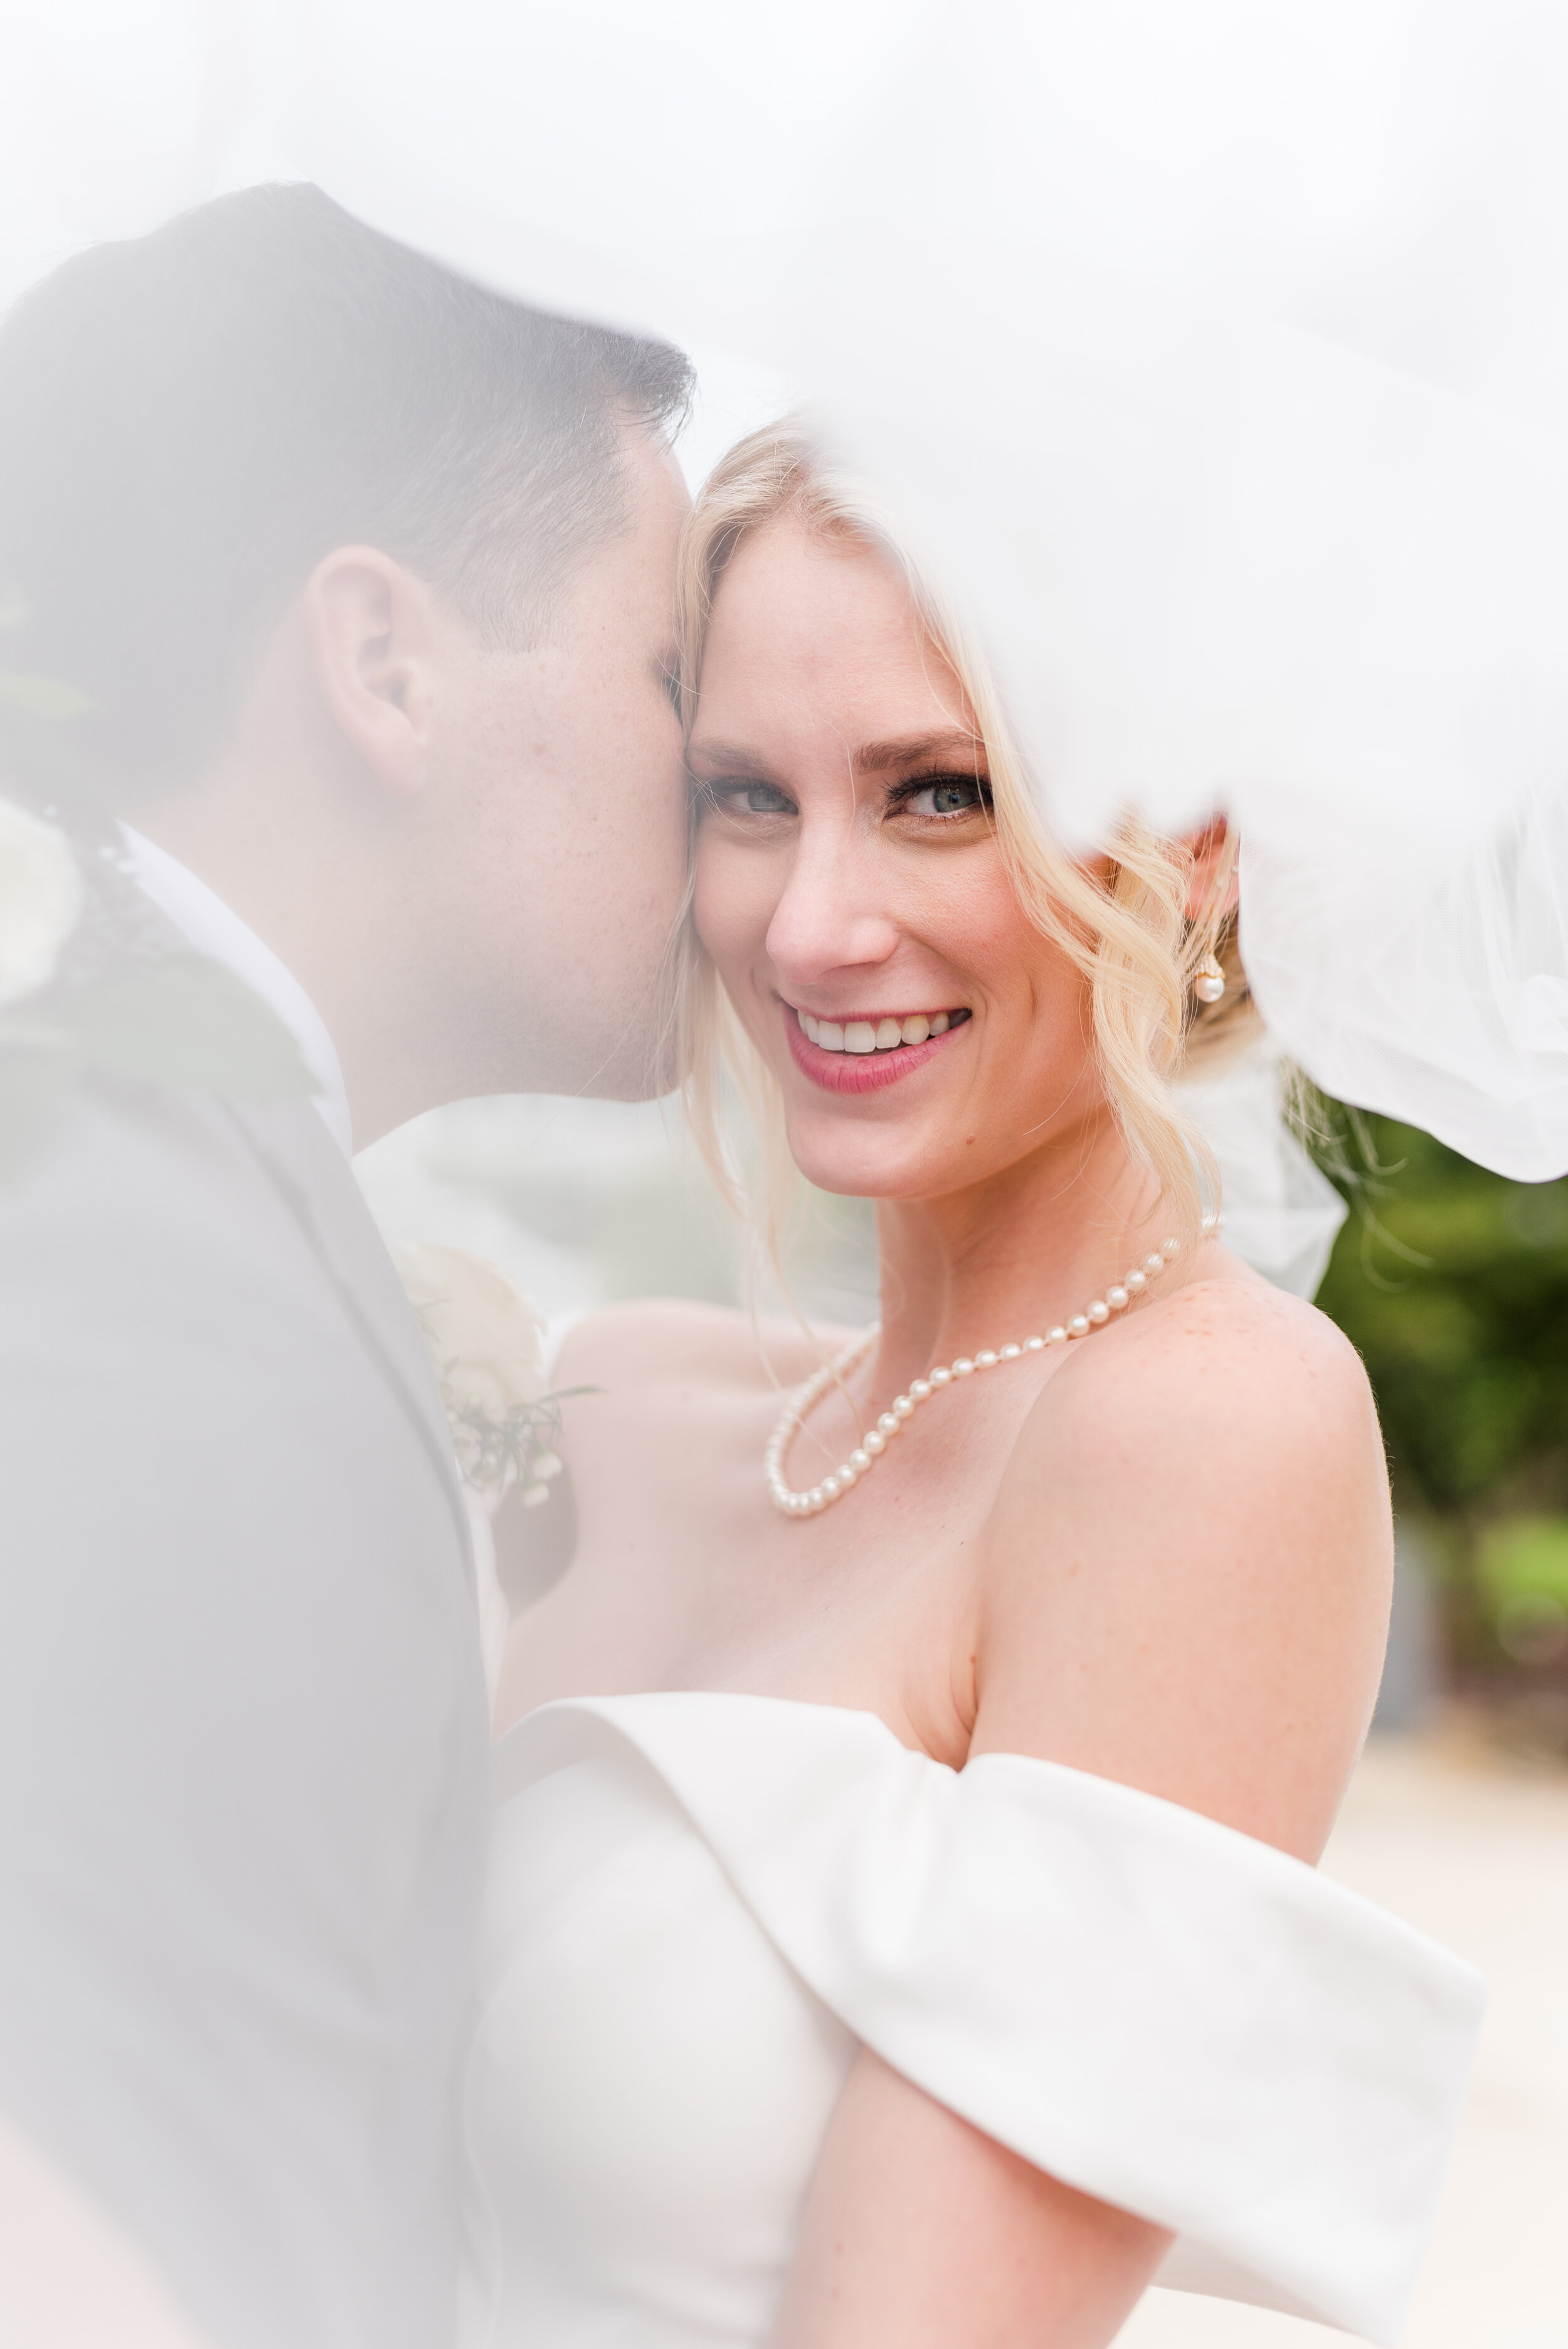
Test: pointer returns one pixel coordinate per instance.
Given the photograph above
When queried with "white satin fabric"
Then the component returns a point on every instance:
(701, 1904)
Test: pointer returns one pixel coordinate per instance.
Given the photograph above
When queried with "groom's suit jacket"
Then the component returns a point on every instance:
(243, 1725)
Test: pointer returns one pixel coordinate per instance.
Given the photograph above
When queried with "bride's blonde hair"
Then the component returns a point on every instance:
(1128, 931)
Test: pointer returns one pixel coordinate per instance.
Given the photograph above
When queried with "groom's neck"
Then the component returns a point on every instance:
(327, 888)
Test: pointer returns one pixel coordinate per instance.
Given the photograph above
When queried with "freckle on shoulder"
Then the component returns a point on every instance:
(1230, 1341)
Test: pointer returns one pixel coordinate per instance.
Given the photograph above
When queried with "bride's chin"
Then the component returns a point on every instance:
(858, 1160)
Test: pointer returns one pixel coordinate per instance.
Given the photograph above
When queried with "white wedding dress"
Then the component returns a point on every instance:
(700, 1905)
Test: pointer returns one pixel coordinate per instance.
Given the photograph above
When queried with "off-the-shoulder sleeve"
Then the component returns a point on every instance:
(1151, 2007)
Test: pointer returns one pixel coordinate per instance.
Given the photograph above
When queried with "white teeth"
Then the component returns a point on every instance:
(872, 1036)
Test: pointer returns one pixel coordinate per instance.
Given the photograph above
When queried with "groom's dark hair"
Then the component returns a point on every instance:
(189, 422)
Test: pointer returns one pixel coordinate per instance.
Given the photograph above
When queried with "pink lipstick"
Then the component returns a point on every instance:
(863, 1073)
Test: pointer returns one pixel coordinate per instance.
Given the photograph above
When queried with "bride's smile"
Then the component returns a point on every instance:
(858, 1052)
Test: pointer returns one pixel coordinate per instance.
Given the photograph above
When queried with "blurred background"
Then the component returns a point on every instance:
(1453, 1285)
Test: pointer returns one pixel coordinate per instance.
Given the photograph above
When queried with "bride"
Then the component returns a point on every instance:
(898, 1929)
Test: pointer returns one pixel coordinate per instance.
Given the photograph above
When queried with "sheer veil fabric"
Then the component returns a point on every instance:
(1216, 355)
(1216, 358)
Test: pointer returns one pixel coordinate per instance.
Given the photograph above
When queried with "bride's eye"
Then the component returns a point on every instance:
(944, 795)
(747, 796)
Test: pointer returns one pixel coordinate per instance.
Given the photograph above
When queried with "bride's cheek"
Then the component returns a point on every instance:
(732, 904)
(707, 898)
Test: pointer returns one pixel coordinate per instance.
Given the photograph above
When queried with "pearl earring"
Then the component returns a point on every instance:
(1208, 980)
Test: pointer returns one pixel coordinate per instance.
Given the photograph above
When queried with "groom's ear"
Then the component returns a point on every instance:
(374, 634)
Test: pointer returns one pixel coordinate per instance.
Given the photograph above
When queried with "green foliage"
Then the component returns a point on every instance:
(1453, 1283)
(1526, 1558)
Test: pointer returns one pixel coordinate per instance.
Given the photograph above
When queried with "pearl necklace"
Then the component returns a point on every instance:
(875, 1440)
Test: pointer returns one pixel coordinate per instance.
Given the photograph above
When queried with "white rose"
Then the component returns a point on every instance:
(40, 901)
(484, 1335)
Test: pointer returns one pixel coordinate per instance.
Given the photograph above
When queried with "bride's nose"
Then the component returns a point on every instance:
(831, 916)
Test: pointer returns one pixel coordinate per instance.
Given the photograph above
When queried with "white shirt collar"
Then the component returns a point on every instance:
(214, 929)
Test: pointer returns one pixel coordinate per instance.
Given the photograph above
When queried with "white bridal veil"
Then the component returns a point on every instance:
(1218, 353)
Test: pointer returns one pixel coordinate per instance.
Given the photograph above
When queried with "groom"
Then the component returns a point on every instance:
(347, 587)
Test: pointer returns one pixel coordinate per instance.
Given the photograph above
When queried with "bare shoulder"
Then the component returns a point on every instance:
(1186, 1575)
(1223, 1365)
(653, 1342)
(1229, 1422)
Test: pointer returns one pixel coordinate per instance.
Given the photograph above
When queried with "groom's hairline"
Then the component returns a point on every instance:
(191, 421)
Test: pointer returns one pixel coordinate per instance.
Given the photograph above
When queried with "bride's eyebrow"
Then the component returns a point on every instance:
(954, 744)
(961, 748)
(734, 757)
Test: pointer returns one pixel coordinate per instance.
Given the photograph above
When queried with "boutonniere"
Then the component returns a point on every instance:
(486, 1339)
(176, 1021)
